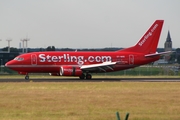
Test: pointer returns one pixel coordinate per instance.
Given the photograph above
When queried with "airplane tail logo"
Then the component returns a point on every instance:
(148, 43)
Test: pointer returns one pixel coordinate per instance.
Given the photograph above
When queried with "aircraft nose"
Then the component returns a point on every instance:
(9, 64)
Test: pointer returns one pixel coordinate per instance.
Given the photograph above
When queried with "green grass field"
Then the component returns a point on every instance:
(89, 100)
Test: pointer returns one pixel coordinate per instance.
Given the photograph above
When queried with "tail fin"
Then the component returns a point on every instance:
(148, 43)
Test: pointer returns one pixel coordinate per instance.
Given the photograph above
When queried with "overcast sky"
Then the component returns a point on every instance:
(86, 23)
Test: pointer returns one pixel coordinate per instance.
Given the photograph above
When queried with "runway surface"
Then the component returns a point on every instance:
(92, 80)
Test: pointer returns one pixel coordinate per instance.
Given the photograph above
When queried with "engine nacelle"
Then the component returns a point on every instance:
(70, 71)
(54, 74)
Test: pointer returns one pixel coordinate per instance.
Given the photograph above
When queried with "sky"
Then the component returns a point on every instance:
(86, 23)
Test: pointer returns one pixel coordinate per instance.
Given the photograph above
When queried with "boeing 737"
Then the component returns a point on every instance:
(82, 64)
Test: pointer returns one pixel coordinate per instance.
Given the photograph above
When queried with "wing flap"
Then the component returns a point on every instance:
(100, 66)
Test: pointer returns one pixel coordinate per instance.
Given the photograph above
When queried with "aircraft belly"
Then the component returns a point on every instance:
(36, 68)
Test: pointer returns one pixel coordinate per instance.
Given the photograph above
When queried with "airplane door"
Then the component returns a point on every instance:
(131, 59)
(33, 59)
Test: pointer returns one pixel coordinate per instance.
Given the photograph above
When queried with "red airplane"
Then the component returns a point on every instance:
(81, 64)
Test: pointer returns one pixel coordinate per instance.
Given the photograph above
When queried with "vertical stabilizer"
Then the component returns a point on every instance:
(149, 41)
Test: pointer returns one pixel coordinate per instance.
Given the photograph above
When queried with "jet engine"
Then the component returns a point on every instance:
(70, 71)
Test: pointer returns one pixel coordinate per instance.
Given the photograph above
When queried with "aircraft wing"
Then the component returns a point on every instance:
(98, 67)
(156, 54)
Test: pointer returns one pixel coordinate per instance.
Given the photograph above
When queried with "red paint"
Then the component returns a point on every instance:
(75, 63)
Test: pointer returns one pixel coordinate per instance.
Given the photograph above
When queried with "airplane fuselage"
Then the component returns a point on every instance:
(50, 62)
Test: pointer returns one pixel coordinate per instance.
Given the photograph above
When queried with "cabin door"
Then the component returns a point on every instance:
(131, 59)
(33, 59)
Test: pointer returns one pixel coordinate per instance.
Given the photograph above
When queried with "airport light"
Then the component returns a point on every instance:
(8, 40)
(22, 45)
(25, 40)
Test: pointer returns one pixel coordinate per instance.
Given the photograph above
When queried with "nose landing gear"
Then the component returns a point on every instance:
(27, 77)
(24, 73)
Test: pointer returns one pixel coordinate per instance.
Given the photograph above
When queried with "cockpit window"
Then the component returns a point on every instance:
(19, 58)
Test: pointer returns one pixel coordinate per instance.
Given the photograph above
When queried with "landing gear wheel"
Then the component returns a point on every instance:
(88, 76)
(82, 76)
(27, 77)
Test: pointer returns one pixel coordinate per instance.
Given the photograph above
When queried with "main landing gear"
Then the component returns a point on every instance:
(87, 76)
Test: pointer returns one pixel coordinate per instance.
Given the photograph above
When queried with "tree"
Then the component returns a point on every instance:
(12, 49)
(53, 48)
(178, 55)
(50, 48)
(41, 49)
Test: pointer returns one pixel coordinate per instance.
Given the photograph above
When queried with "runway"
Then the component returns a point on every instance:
(92, 80)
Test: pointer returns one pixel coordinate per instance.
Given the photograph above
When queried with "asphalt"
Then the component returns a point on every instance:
(92, 80)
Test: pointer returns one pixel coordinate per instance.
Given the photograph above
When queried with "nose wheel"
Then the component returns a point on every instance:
(27, 77)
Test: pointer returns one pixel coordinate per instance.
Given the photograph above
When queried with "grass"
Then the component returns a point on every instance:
(90, 101)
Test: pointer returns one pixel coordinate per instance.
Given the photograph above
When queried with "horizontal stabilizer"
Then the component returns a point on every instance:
(156, 54)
